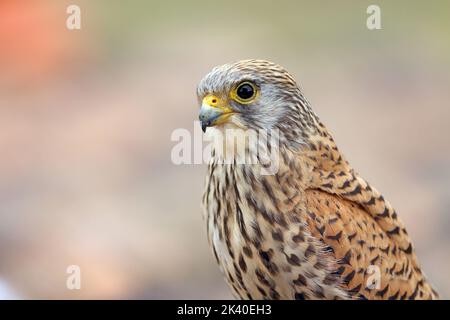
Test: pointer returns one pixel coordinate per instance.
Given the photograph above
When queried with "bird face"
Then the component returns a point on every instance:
(249, 94)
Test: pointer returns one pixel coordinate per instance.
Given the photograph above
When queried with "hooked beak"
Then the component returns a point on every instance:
(214, 111)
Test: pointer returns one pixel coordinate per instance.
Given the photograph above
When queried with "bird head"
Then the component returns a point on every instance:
(252, 94)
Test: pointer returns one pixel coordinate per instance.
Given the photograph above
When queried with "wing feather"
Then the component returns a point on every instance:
(369, 260)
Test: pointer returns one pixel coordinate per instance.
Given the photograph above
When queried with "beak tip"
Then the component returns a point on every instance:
(204, 125)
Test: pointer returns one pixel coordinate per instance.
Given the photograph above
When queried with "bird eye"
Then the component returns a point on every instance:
(245, 92)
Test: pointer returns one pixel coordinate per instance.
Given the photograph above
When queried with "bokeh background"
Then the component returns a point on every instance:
(86, 117)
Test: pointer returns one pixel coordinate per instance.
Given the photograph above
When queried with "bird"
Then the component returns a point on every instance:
(311, 229)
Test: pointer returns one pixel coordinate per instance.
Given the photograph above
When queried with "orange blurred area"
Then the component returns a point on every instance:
(35, 45)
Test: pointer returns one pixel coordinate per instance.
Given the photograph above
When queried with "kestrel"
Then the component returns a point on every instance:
(313, 229)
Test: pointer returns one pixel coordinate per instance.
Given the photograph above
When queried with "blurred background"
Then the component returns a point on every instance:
(86, 117)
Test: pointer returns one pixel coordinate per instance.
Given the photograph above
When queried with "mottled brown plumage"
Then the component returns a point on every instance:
(313, 229)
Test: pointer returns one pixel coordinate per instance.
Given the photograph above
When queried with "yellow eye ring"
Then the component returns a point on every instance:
(244, 93)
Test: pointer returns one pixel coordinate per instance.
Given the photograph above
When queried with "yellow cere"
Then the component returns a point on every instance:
(211, 100)
(215, 102)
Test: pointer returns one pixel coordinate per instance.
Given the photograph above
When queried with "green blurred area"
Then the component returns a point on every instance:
(284, 26)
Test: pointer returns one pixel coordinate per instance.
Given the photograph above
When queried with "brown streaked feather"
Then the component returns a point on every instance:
(357, 242)
(370, 231)
(333, 174)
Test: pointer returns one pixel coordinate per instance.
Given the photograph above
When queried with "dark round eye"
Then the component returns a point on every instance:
(245, 91)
